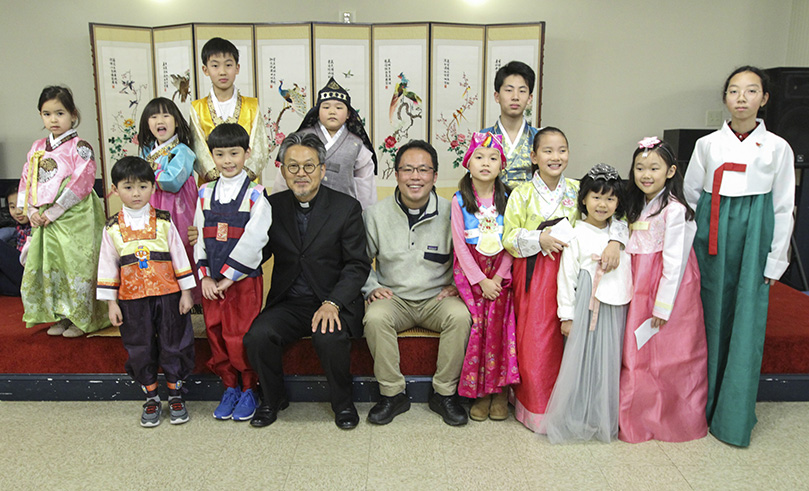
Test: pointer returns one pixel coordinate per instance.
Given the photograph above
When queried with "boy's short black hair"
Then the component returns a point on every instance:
(219, 46)
(228, 135)
(515, 68)
(420, 145)
(131, 169)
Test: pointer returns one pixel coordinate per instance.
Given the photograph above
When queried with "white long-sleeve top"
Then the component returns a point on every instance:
(770, 167)
(671, 233)
(615, 287)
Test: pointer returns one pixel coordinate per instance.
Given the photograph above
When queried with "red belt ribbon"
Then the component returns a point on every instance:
(214, 232)
(713, 232)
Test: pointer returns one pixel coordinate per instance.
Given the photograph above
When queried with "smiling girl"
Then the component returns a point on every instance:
(534, 210)
(164, 140)
(592, 310)
(663, 383)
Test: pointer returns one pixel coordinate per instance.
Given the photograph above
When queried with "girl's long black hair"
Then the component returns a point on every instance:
(501, 192)
(160, 105)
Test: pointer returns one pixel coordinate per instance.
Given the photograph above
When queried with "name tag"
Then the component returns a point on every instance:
(640, 226)
(222, 232)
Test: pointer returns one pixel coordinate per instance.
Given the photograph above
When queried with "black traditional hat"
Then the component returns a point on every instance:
(334, 91)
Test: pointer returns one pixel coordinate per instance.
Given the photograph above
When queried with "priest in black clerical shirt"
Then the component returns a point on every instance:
(317, 238)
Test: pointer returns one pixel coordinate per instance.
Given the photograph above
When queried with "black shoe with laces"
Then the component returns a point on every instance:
(387, 408)
(449, 408)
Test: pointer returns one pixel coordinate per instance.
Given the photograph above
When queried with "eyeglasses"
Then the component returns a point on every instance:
(308, 168)
(407, 171)
(748, 93)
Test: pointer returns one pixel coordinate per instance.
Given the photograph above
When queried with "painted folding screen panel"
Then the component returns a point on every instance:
(124, 84)
(505, 43)
(284, 66)
(175, 76)
(457, 88)
(242, 37)
(401, 90)
(343, 51)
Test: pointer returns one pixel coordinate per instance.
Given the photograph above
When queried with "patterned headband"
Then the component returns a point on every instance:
(604, 172)
(487, 140)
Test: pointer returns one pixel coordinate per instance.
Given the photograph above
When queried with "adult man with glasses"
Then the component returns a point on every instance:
(409, 235)
(317, 238)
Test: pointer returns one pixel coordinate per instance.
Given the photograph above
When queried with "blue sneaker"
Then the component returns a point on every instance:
(229, 400)
(246, 407)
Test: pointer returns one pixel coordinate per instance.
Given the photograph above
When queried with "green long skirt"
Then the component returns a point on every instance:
(735, 300)
(61, 270)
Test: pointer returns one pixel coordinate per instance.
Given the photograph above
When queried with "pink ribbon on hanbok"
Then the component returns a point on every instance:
(594, 302)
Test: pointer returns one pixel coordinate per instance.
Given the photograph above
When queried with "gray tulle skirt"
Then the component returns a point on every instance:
(584, 401)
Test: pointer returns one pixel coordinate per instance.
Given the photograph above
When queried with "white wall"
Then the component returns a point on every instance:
(614, 71)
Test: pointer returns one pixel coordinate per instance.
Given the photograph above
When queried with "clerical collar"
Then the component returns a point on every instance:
(306, 207)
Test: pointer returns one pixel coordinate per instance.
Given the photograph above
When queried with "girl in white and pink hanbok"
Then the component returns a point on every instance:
(664, 384)
(56, 193)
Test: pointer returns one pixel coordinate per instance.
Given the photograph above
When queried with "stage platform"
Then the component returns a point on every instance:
(35, 366)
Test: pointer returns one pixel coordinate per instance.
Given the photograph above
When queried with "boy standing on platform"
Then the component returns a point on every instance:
(224, 104)
(513, 91)
(146, 279)
(234, 216)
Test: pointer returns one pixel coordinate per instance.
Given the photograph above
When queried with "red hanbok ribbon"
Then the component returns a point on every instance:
(713, 230)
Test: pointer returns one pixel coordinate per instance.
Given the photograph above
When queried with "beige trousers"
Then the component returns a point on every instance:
(386, 317)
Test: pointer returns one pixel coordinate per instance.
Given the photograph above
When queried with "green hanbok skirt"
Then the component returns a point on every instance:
(735, 300)
(61, 269)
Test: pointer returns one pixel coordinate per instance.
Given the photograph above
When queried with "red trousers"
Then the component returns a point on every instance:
(226, 322)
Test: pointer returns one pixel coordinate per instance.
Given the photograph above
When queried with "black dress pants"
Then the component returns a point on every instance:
(280, 325)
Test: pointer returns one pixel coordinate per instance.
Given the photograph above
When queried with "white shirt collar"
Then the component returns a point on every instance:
(228, 187)
(224, 109)
(331, 140)
(136, 219)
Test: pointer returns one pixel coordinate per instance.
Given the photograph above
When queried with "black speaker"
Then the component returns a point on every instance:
(683, 142)
(787, 112)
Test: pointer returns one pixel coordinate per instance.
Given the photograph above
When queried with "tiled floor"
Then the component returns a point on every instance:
(99, 445)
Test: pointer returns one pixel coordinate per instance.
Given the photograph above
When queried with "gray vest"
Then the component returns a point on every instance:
(340, 161)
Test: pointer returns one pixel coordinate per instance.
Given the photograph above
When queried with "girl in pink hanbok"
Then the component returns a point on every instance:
(664, 383)
(56, 193)
(482, 271)
(164, 140)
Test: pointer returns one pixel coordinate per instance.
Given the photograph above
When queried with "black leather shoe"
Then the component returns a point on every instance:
(449, 408)
(387, 408)
(347, 418)
(266, 415)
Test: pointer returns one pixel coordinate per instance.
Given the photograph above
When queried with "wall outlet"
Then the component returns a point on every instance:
(346, 17)
(713, 118)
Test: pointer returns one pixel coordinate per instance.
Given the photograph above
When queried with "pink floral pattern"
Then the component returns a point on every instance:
(491, 355)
